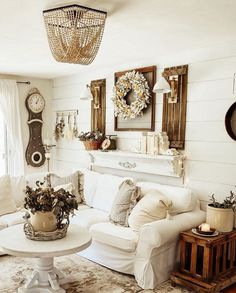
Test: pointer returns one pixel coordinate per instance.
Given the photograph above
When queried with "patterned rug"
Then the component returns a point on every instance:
(85, 277)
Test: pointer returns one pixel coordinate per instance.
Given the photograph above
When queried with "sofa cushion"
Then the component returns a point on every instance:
(7, 203)
(18, 185)
(2, 225)
(89, 181)
(124, 202)
(182, 198)
(117, 236)
(152, 207)
(107, 190)
(13, 218)
(87, 217)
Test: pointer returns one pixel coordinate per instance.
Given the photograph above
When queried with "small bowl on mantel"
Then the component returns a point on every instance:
(211, 232)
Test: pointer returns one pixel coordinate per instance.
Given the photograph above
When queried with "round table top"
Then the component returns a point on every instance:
(14, 242)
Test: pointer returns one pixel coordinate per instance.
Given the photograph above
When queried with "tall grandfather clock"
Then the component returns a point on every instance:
(35, 104)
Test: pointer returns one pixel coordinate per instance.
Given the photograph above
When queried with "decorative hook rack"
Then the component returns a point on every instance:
(67, 113)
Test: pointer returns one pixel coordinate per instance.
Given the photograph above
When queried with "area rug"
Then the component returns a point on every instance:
(84, 277)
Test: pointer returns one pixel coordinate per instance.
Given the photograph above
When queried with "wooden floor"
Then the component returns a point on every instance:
(231, 289)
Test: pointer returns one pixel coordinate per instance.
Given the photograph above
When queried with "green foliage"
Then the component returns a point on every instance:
(60, 202)
(228, 203)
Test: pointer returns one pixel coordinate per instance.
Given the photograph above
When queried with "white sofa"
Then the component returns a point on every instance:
(150, 254)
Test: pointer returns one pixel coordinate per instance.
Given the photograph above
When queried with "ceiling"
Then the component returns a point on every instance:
(134, 30)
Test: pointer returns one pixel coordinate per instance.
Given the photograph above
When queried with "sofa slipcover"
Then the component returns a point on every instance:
(117, 236)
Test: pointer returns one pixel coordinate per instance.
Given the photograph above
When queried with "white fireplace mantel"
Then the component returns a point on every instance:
(136, 162)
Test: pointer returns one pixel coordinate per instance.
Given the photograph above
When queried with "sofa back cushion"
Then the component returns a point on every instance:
(107, 190)
(18, 185)
(7, 203)
(88, 186)
(124, 202)
(182, 198)
(153, 206)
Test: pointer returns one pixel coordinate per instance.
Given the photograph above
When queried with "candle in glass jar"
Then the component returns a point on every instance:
(205, 227)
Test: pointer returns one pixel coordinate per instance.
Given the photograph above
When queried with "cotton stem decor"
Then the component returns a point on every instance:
(74, 33)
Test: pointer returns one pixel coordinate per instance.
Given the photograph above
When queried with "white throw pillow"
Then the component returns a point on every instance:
(68, 187)
(107, 190)
(57, 180)
(124, 202)
(7, 203)
(152, 207)
(182, 198)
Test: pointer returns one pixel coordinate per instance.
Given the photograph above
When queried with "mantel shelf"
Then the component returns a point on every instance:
(137, 162)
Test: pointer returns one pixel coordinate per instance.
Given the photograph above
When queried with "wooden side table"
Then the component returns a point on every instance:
(207, 264)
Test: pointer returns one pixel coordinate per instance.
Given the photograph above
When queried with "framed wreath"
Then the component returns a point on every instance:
(131, 81)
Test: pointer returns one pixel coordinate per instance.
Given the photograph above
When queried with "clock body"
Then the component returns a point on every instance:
(35, 154)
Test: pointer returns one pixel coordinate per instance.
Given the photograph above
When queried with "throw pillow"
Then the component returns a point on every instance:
(152, 207)
(124, 202)
(68, 187)
(182, 198)
(7, 203)
(72, 178)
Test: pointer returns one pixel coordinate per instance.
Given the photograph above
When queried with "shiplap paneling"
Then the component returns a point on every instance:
(211, 160)
(211, 131)
(211, 152)
(210, 172)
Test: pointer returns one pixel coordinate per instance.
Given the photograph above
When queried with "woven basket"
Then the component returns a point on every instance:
(92, 145)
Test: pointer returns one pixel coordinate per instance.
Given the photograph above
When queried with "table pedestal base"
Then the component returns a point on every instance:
(45, 279)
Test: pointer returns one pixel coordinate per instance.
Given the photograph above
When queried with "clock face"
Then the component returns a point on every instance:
(106, 143)
(36, 103)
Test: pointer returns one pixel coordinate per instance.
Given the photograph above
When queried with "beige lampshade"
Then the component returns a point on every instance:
(86, 94)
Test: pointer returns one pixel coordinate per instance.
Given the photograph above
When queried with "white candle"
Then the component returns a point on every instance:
(205, 227)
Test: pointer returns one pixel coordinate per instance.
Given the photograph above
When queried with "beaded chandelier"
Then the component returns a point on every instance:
(74, 33)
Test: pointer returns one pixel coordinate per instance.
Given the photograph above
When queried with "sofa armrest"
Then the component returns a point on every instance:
(156, 250)
(158, 233)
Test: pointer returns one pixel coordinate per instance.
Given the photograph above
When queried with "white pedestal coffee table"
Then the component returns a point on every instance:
(46, 278)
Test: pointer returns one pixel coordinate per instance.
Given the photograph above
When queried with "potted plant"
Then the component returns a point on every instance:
(220, 215)
(49, 209)
(92, 140)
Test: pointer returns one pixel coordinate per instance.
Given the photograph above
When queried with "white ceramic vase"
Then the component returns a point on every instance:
(220, 219)
(43, 221)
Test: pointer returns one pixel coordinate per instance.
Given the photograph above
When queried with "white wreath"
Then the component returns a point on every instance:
(135, 81)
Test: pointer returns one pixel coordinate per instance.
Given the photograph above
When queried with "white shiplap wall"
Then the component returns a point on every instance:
(211, 153)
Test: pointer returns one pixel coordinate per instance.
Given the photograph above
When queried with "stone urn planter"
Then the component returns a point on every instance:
(221, 215)
(220, 219)
(43, 221)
